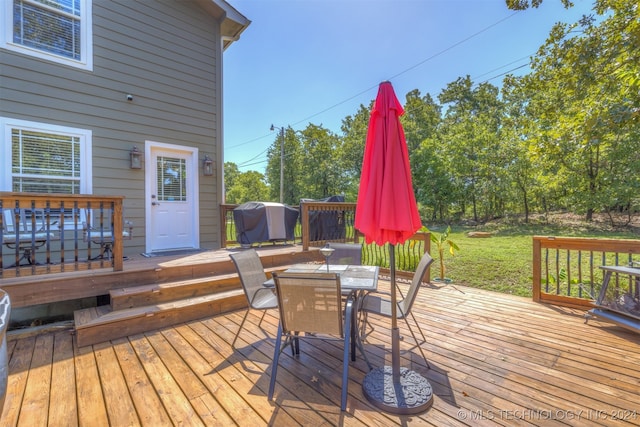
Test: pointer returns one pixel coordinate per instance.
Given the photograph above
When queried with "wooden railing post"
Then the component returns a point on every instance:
(304, 220)
(537, 268)
(118, 228)
(223, 226)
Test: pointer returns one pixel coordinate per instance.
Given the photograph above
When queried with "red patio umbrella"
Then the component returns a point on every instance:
(386, 212)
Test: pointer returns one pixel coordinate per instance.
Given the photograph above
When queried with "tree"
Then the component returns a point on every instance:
(470, 135)
(231, 172)
(586, 116)
(525, 4)
(515, 133)
(321, 175)
(421, 118)
(293, 160)
(248, 186)
(351, 150)
(435, 188)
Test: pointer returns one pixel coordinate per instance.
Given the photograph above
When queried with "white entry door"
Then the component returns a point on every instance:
(172, 197)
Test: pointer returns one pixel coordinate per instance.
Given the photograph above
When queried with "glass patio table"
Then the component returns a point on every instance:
(353, 278)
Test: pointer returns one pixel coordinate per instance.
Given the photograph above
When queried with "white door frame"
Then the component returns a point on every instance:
(192, 187)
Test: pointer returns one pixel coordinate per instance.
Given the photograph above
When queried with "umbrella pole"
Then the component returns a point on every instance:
(390, 388)
(395, 332)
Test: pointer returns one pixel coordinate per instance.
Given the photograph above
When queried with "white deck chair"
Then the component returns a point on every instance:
(97, 227)
(26, 233)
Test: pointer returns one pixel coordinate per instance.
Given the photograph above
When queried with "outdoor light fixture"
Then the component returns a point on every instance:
(326, 252)
(136, 158)
(207, 166)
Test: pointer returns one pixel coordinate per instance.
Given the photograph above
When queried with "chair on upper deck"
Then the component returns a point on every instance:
(310, 306)
(375, 304)
(252, 278)
(26, 230)
(97, 227)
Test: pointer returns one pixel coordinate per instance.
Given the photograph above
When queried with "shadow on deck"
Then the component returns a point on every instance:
(496, 360)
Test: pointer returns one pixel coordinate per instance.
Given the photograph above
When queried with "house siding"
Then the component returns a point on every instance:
(165, 54)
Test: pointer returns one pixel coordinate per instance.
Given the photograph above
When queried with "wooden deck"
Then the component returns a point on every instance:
(496, 360)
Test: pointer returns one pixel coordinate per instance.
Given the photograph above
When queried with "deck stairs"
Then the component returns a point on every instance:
(143, 307)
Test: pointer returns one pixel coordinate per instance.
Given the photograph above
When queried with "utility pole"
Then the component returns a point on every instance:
(281, 161)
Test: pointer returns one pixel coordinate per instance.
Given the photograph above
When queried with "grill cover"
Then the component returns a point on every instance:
(328, 225)
(264, 221)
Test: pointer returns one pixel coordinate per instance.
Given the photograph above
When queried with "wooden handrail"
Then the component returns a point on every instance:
(226, 228)
(56, 207)
(566, 269)
(341, 216)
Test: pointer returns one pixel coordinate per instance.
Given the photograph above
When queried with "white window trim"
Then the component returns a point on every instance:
(86, 28)
(85, 136)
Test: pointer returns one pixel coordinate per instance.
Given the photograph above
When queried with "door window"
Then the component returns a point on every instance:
(171, 185)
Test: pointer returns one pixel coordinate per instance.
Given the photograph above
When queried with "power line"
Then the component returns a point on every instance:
(246, 163)
(505, 73)
(376, 85)
(253, 158)
(453, 46)
(251, 163)
(503, 66)
(251, 140)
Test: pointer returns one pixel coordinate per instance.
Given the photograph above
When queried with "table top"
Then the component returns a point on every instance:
(633, 271)
(352, 277)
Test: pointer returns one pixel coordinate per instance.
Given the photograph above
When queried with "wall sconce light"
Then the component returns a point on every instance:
(136, 160)
(207, 166)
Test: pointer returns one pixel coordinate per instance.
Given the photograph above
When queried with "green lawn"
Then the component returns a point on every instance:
(503, 261)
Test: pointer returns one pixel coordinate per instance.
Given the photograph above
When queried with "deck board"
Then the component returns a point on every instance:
(143, 394)
(35, 404)
(91, 403)
(63, 381)
(495, 359)
(116, 395)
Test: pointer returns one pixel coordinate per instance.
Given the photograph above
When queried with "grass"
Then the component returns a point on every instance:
(503, 262)
(498, 263)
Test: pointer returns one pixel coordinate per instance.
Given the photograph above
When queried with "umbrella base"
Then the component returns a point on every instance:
(412, 394)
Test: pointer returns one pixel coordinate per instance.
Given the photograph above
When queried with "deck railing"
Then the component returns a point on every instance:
(566, 269)
(318, 223)
(407, 255)
(228, 227)
(47, 233)
(323, 222)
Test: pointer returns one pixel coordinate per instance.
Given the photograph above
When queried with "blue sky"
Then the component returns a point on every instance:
(317, 61)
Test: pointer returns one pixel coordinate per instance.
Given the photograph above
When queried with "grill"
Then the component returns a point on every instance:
(619, 299)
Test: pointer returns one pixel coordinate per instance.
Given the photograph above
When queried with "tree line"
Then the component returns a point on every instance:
(566, 136)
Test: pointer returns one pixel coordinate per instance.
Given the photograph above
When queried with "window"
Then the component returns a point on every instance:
(44, 158)
(56, 30)
(171, 185)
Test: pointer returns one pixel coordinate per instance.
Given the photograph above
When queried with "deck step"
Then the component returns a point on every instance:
(156, 293)
(99, 324)
(142, 308)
